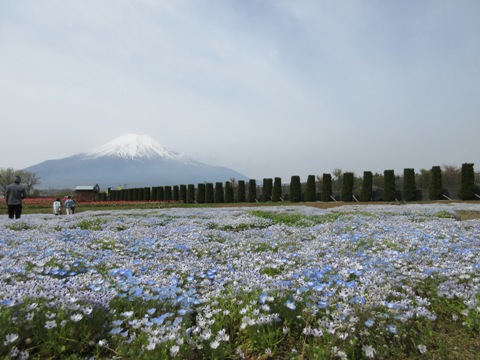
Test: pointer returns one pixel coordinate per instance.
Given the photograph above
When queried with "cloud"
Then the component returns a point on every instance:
(288, 80)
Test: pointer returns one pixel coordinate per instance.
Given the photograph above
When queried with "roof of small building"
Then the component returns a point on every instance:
(85, 187)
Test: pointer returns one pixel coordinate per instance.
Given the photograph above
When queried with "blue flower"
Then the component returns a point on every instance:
(322, 304)
(263, 297)
(115, 331)
(392, 329)
(291, 305)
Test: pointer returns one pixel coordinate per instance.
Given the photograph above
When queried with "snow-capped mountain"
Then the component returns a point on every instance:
(132, 146)
(130, 160)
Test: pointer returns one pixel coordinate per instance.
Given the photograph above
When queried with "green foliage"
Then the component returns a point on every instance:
(267, 190)
(241, 191)
(294, 219)
(219, 196)
(277, 189)
(252, 190)
(176, 193)
(201, 193)
(467, 185)
(389, 188)
(326, 187)
(160, 193)
(347, 187)
(311, 189)
(409, 187)
(154, 193)
(167, 193)
(90, 224)
(183, 194)
(366, 192)
(190, 193)
(229, 192)
(436, 183)
(18, 226)
(295, 189)
(209, 193)
(146, 194)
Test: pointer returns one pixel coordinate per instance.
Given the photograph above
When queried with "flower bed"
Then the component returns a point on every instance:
(288, 282)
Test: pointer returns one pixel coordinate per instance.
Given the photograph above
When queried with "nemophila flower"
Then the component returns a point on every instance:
(340, 354)
(76, 317)
(10, 338)
(370, 322)
(290, 304)
(174, 350)
(369, 351)
(102, 343)
(127, 314)
(262, 298)
(392, 329)
(214, 344)
(116, 331)
(87, 310)
(50, 324)
(422, 349)
(151, 311)
(322, 304)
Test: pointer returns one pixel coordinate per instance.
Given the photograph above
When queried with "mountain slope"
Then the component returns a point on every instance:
(131, 160)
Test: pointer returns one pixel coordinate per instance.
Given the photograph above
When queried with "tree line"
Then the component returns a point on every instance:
(433, 184)
(341, 187)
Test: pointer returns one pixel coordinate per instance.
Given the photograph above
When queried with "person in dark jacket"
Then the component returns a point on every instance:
(13, 197)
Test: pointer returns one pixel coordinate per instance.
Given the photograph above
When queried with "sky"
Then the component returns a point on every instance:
(269, 88)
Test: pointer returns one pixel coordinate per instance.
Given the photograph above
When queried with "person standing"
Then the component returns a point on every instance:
(57, 207)
(13, 197)
(69, 205)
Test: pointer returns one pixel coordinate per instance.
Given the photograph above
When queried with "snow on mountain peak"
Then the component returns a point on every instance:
(132, 146)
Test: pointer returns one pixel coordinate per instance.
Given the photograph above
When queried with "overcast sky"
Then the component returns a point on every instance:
(268, 88)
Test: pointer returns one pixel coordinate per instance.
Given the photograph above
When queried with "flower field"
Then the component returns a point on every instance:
(353, 282)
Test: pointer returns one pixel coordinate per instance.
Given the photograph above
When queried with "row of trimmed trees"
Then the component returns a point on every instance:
(272, 189)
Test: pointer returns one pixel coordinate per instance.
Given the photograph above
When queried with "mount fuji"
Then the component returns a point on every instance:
(130, 160)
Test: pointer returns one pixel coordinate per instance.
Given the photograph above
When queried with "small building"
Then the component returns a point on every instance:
(86, 193)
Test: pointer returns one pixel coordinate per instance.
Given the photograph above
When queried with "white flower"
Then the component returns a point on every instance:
(10, 338)
(102, 343)
(87, 310)
(339, 353)
(50, 324)
(214, 344)
(174, 350)
(76, 317)
(369, 351)
(127, 314)
(422, 349)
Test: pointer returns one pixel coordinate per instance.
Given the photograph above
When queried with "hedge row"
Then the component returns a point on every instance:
(272, 189)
